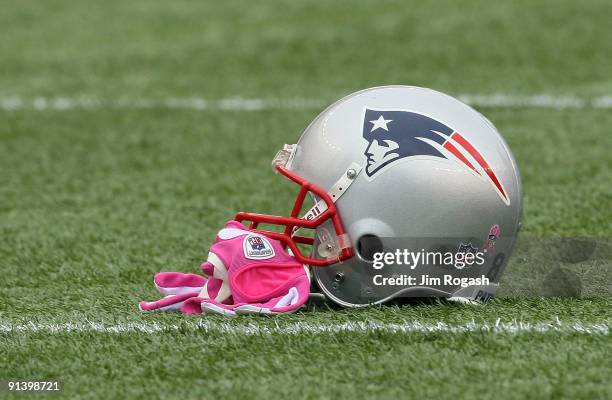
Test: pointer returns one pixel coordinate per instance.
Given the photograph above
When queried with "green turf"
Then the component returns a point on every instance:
(280, 48)
(92, 203)
(363, 365)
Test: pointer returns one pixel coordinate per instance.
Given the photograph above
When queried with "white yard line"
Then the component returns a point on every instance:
(15, 103)
(251, 328)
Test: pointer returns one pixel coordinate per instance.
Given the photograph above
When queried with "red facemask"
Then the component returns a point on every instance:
(336, 246)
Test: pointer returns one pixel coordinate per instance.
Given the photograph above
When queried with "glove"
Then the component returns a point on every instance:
(263, 278)
(245, 273)
(179, 287)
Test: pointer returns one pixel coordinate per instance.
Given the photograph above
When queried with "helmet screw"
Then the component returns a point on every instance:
(351, 173)
(329, 247)
(339, 277)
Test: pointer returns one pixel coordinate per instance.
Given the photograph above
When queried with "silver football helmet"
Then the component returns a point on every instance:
(399, 168)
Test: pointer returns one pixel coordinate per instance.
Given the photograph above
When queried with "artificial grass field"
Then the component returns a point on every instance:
(95, 200)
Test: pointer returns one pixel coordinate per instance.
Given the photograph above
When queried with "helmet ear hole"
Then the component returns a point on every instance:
(367, 246)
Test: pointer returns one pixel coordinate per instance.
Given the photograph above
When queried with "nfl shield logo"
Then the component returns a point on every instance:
(256, 243)
(257, 247)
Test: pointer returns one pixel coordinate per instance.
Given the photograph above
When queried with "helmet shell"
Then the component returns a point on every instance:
(414, 196)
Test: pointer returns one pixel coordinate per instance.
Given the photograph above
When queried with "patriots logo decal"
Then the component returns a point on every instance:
(396, 134)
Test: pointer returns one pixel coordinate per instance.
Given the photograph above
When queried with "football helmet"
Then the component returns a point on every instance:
(391, 168)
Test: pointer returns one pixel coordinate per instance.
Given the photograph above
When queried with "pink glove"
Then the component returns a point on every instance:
(247, 273)
(263, 278)
(179, 287)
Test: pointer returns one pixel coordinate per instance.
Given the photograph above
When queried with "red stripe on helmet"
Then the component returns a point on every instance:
(480, 159)
(450, 147)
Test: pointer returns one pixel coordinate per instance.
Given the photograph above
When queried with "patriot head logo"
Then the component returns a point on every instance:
(394, 134)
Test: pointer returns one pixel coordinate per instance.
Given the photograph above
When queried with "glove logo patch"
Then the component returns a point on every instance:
(257, 247)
